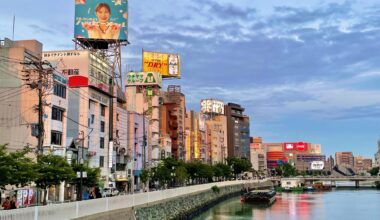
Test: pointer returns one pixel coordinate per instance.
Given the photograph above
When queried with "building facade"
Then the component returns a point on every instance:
(345, 159)
(238, 139)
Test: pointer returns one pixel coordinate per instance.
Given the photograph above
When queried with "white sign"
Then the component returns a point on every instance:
(212, 106)
(110, 152)
(317, 165)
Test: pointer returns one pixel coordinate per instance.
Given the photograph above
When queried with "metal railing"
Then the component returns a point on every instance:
(89, 207)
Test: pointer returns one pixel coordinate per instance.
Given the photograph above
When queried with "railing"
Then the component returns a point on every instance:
(89, 207)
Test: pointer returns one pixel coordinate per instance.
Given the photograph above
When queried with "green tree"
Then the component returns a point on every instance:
(374, 171)
(239, 165)
(286, 170)
(52, 170)
(144, 178)
(161, 174)
(181, 175)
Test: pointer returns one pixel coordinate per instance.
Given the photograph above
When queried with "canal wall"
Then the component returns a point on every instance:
(118, 207)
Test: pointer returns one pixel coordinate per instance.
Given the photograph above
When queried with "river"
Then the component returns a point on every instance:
(338, 204)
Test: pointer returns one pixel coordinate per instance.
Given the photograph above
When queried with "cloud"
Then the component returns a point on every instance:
(41, 30)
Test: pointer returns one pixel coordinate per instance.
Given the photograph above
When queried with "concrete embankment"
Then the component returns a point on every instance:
(180, 207)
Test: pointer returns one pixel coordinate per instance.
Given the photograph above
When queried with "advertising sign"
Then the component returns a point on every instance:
(212, 106)
(202, 122)
(317, 165)
(101, 20)
(299, 146)
(144, 79)
(167, 64)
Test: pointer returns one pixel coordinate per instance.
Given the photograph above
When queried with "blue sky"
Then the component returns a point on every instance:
(304, 70)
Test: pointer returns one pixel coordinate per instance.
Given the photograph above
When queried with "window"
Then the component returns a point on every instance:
(92, 118)
(56, 114)
(117, 133)
(102, 142)
(102, 126)
(102, 110)
(101, 161)
(60, 90)
(56, 138)
(117, 117)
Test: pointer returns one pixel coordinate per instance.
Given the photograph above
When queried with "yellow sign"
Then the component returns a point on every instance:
(165, 63)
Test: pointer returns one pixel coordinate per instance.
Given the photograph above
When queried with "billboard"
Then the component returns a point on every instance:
(101, 20)
(144, 79)
(167, 64)
(212, 106)
(299, 146)
(317, 165)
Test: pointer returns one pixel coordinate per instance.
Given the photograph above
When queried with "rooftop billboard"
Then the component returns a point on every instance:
(299, 146)
(212, 106)
(317, 165)
(167, 64)
(144, 79)
(101, 20)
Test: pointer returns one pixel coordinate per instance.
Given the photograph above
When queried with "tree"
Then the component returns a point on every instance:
(181, 175)
(144, 177)
(239, 165)
(52, 170)
(161, 174)
(286, 170)
(374, 171)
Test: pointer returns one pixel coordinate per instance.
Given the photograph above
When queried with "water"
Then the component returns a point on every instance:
(335, 205)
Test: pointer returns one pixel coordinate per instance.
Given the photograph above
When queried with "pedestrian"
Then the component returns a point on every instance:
(97, 193)
(92, 193)
(13, 203)
(7, 203)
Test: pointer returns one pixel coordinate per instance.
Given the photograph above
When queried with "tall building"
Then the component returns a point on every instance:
(143, 95)
(345, 159)
(377, 154)
(258, 154)
(19, 79)
(90, 106)
(238, 139)
(217, 137)
(172, 121)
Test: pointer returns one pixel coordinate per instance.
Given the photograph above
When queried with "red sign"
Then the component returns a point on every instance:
(78, 81)
(299, 146)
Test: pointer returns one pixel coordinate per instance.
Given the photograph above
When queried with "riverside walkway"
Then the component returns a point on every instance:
(79, 209)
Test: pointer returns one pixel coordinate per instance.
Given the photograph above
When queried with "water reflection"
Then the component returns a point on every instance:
(338, 204)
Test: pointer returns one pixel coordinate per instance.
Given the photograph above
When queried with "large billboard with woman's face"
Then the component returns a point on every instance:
(101, 20)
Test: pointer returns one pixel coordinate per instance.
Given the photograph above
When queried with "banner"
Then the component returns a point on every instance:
(101, 19)
(168, 65)
(144, 79)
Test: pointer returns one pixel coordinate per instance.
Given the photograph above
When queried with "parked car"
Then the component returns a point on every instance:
(108, 192)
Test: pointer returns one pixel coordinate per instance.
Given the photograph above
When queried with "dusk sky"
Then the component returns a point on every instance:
(304, 70)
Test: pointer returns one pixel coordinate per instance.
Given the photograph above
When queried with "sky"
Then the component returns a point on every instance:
(304, 70)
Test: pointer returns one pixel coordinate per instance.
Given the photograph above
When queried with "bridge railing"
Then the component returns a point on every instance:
(89, 207)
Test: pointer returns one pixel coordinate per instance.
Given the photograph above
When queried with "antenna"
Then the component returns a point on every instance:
(13, 33)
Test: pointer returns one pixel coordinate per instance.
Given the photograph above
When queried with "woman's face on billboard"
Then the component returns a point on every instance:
(103, 14)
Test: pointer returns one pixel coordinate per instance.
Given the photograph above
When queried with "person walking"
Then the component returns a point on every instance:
(13, 203)
(6, 204)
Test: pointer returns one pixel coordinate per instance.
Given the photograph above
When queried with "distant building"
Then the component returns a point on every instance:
(377, 154)
(238, 139)
(217, 138)
(258, 154)
(362, 164)
(345, 159)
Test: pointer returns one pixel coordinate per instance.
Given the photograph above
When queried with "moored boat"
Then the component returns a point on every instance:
(259, 197)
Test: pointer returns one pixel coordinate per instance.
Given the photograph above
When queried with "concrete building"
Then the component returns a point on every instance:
(238, 138)
(377, 154)
(362, 164)
(143, 95)
(19, 101)
(258, 154)
(345, 159)
(217, 138)
(89, 98)
(139, 151)
(172, 121)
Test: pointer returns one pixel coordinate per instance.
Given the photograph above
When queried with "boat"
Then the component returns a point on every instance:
(266, 197)
(309, 189)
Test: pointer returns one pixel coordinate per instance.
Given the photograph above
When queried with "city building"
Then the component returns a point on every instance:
(345, 159)
(258, 154)
(362, 164)
(20, 74)
(172, 121)
(90, 106)
(217, 138)
(143, 95)
(377, 154)
(238, 138)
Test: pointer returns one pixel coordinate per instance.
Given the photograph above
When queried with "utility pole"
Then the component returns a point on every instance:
(144, 141)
